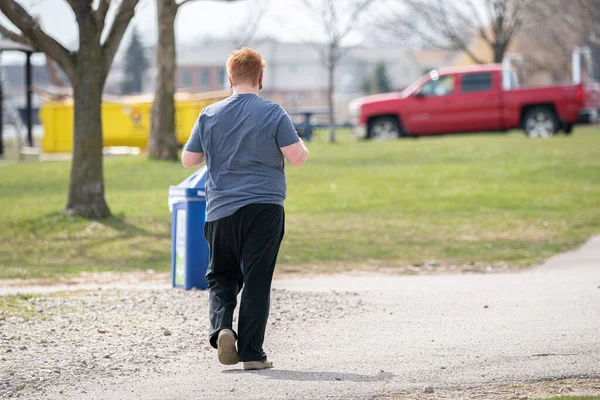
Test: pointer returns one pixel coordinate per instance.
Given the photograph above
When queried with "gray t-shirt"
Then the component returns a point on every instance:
(240, 137)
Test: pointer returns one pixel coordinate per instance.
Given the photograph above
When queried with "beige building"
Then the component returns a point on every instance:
(295, 75)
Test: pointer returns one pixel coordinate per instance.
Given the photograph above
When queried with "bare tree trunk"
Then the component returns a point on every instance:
(162, 143)
(499, 51)
(331, 101)
(86, 187)
(87, 69)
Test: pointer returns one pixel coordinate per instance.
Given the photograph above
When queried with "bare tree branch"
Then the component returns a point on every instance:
(182, 2)
(462, 46)
(310, 6)
(245, 30)
(453, 25)
(119, 25)
(101, 11)
(32, 30)
(550, 31)
(474, 11)
(335, 30)
(14, 36)
(355, 16)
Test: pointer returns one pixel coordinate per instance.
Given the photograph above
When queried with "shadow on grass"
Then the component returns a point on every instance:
(119, 223)
(57, 245)
(126, 231)
(305, 376)
(56, 221)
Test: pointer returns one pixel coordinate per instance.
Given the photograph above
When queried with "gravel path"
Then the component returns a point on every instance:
(97, 335)
(376, 337)
(513, 391)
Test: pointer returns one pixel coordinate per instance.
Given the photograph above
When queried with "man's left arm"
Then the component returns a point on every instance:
(193, 153)
(191, 159)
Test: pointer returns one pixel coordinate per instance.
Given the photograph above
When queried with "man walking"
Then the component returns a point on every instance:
(244, 140)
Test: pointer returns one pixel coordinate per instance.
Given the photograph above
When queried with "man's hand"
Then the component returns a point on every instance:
(296, 153)
(190, 159)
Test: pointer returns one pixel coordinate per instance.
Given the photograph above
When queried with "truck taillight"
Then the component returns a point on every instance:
(580, 94)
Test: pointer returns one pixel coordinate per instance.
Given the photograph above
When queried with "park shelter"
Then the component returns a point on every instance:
(9, 45)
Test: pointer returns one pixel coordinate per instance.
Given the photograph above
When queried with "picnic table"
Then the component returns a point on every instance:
(303, 120)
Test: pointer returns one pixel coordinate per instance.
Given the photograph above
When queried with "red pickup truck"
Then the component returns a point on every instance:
(474, 99)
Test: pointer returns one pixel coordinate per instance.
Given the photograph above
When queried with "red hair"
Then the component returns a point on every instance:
(245, 66)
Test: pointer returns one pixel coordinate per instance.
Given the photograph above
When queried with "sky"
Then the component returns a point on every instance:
(286, 20)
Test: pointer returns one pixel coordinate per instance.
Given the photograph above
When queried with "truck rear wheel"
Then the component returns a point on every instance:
(384, 128)
(540, 122)
(568, 129)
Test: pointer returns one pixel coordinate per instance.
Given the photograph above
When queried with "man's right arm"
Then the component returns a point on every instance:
(296, 153)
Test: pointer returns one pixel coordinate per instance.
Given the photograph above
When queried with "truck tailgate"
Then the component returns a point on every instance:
(591, 91)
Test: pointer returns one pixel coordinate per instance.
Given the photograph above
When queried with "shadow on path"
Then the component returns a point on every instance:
(288, 375)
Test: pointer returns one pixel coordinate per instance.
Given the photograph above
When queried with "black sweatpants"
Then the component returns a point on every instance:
(243, 252)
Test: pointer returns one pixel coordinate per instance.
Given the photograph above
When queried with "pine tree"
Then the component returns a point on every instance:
(382, 81)
(367, 85)
(135, 64)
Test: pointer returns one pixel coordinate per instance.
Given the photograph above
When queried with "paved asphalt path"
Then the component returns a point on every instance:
(436, 330)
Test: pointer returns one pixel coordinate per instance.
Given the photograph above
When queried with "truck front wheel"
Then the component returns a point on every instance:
(540, 122)
(383, 128)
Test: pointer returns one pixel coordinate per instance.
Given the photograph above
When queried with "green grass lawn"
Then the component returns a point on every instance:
(457, 199)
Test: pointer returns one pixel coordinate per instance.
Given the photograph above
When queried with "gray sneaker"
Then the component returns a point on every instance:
(228, 354)
(250, 365)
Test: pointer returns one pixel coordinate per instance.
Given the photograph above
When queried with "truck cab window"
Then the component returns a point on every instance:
(442, 86)
(478, 82)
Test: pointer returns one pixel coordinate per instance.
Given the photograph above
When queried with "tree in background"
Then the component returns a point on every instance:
(87, 69)
(245, 30)
(379, 82)
(336, 28)
(367, 85)
(135, 65)
(451, 25)
(553, 29)
(162, 143)
(382, 80)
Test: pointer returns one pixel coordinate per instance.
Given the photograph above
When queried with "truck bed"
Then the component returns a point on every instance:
(561, 97)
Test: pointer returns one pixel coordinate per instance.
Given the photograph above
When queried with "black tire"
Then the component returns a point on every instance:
(540, 122)
(568, 129)
(384, 128)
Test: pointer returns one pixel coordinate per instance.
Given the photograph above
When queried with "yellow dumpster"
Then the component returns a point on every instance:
(125, 122)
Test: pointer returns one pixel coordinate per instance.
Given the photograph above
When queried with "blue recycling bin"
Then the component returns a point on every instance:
(189, 249)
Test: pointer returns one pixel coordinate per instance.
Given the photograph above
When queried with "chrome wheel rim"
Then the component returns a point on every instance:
(385, 130)
(540, 125)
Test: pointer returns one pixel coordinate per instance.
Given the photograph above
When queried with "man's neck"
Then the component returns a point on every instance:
(245, 89)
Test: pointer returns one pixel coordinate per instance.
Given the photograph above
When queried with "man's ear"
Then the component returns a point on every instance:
(230, 81)
(260, 80)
